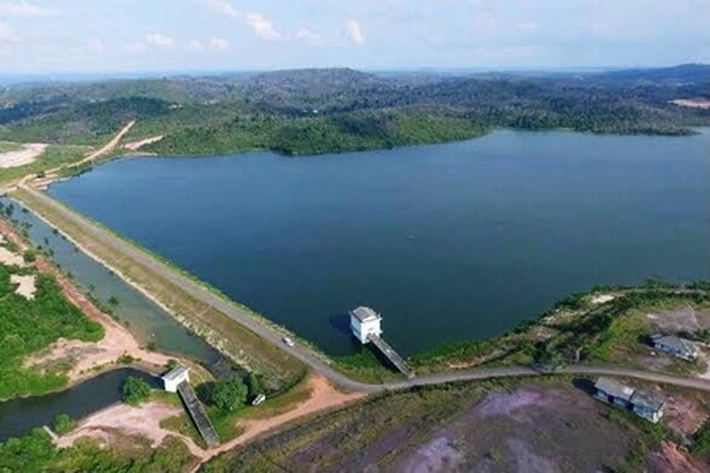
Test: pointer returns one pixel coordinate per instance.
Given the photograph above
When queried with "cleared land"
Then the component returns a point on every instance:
(522, 426)
(25, 155)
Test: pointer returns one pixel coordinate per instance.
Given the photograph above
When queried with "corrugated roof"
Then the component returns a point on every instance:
(363, 313)
(680, 344)
(175, 373)
(614, 388)
(647, 400)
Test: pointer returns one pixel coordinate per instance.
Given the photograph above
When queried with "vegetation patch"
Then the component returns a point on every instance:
(30, 325)
(36, 452)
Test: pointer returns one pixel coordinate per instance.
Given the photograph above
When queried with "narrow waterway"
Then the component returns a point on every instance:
(19, 416)
(149, 323)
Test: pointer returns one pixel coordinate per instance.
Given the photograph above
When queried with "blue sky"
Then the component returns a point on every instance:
(43, 36)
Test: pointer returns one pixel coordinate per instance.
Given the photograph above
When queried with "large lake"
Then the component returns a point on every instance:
(449, 242)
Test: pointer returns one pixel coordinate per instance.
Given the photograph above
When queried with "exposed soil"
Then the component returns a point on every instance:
(671, 459)
(692, 103)
(685, 414)
(686, 319)
(143, 421)
(26, 155)
(26, 285)
(135, 145)
(9, 258)
(535, 429)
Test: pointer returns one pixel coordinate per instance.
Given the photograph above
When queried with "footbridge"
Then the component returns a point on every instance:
(198, 414)
(391, 355)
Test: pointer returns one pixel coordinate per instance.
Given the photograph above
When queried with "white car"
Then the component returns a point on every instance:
(287, 341)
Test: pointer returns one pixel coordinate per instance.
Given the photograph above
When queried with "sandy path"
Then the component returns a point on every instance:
(135, 145)
(26, 285)
(9, 258)
(26, 155)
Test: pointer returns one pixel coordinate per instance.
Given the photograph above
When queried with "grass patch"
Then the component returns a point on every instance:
(9, 146)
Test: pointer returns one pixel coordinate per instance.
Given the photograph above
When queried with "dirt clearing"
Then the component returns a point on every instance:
(135, 145)
(26, 155)
(692, 103)
(9, 258)
(684, 319)
(26, 285)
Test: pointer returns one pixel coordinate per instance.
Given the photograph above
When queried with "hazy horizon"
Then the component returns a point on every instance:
(119, 37)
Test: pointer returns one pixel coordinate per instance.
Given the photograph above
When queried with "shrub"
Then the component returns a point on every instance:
(63, 424)
(135, 391)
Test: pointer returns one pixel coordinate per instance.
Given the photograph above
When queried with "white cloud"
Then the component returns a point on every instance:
(218, 44)
(135, 47)
(528, 26)
(223, 7)
(308, 37)
(161, 40)
(24, 9)
(354, 32)
(195, 45)
(7, 34)
(262, 26)
(96, 46)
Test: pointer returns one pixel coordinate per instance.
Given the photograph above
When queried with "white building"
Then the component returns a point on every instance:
(364, 322)
(174, 377)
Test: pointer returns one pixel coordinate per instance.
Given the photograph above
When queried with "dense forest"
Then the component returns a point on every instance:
(29, 325)
(322, 110)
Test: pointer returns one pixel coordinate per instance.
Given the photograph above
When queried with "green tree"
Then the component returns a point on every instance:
(30, 256)
(253, 386)
(63, 424)
(229, 394)
(135, 391)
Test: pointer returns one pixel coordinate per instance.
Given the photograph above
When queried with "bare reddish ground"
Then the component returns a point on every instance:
(672, 459)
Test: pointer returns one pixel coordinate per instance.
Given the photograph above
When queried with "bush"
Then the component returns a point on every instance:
(135, 391)
(229, 394)
(253, 386)
(63, 424)
(30, 256)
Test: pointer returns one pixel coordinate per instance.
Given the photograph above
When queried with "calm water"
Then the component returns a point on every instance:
(147, 321)
(19, 416)
(449, 242)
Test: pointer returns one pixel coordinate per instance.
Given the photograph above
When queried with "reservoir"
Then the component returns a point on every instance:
(450, 242)
(19, 416)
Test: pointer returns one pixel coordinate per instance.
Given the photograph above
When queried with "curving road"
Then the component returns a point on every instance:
(304, 354)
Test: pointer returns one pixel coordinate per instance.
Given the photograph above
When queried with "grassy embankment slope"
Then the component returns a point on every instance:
(30, 325)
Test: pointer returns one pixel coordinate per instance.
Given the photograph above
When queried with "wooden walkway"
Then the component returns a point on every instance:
(198, 414)
(391, 355)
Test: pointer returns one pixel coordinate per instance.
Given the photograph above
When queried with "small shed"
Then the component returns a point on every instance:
(676, 346)
(613, 392)
(364, 322)
(647, 405)
(173, 378)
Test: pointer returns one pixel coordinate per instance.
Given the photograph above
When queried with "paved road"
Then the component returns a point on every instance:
(306, 356)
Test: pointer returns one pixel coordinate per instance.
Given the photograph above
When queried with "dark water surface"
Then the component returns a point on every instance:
(449, 242)
(19, 416)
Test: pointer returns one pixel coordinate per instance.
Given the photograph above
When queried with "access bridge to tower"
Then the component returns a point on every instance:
(366, 325)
